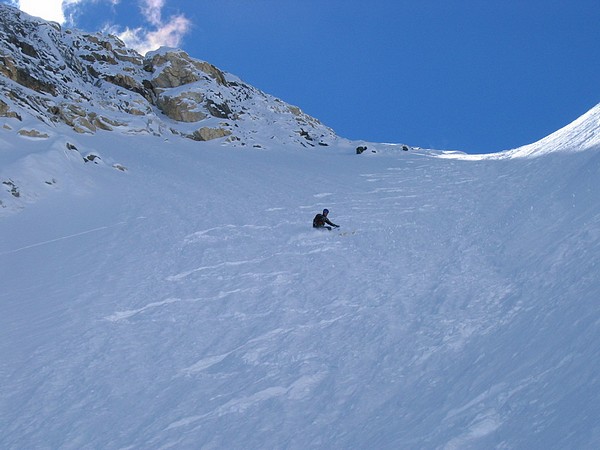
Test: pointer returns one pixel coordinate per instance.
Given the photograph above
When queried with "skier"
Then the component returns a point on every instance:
(321, 219)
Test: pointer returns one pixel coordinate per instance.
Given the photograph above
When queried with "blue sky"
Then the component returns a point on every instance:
(471, 75)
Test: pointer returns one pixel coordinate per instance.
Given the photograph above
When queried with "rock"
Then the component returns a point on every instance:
(14, 190)
(103, 123)
(220, 110)
(6, 112)
(129, 83)
(83, 126)
(208, 134)
(212, 71)
(9, 69)
(92, 81)
(183, 108)
(33, 134)
(295, 110)
(173, 69)
(91, 158)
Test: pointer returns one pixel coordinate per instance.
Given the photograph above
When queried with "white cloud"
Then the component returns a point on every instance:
(46, 9)
(167, 33)
(53, 10)
(151, 9)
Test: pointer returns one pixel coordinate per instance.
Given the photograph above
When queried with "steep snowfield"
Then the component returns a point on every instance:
(187, 303)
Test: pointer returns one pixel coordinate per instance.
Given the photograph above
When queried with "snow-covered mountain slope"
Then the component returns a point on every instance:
(581, 134)
(92, 82)
(56, 83)
(164, 292)
(186, 302)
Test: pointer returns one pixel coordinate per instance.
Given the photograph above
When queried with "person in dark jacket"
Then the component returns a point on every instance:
(321, 221)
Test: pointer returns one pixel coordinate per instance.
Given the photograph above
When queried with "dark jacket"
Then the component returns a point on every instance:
(320, 220)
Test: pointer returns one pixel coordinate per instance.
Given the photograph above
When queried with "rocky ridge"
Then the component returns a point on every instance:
(92, 82)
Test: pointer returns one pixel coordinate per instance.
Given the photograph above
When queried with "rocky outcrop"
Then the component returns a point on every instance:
(208, 134)
(171, 69)
(93, 82)
(81, 120)
(24, 77)
(33, 134)
(174, 68)
(5, 111)
(183, 108)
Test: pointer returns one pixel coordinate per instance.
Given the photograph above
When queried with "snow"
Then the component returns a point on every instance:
(187, 302)
(173, 294)
(579, 135)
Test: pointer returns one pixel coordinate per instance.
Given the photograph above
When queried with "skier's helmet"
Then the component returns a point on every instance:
(325, 211)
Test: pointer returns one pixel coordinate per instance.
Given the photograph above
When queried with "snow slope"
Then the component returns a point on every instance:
(581, 134)
(187, 303)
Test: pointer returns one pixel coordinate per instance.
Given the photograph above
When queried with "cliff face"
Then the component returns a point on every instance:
(93, 82)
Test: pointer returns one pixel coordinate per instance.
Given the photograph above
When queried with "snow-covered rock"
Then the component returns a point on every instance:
(93, 81)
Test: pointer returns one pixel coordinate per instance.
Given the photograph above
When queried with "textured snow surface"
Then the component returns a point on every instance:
(186, 302)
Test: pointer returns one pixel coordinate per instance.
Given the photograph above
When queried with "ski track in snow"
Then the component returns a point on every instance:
(122, 315)
(62, 238)
(187, 273)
